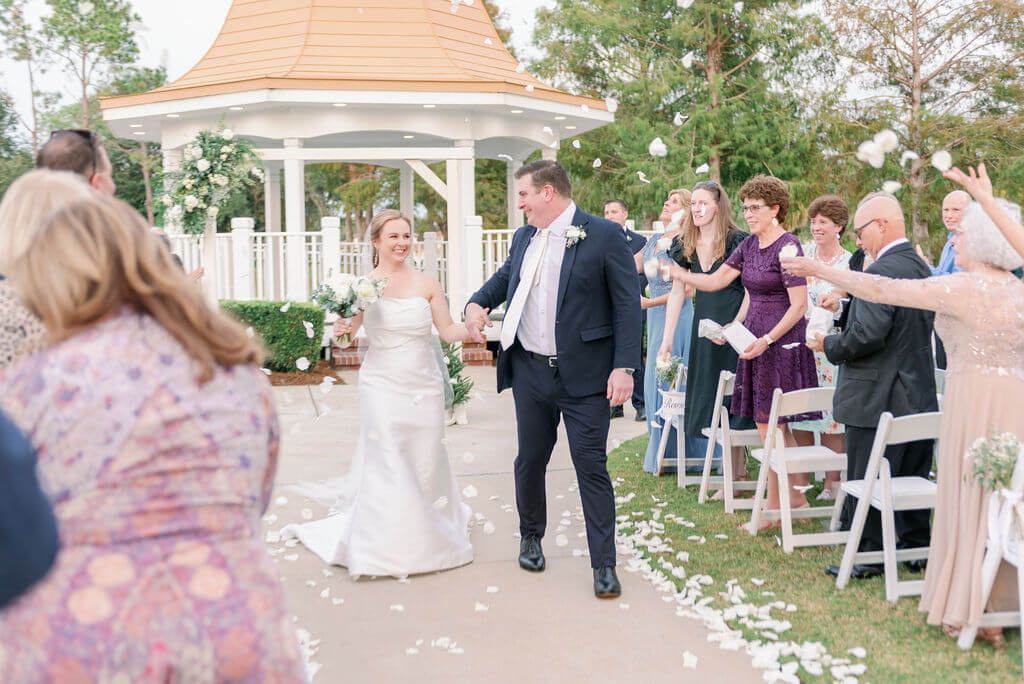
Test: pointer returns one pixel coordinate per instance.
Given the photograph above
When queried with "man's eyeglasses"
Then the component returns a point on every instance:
(87, 135)
(856, 231)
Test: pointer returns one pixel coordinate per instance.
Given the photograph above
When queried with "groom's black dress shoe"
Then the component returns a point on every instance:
(531, 556)
(606, 583)
(857, 572)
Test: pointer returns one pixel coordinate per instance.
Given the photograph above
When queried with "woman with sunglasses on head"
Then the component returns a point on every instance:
(708, 239)
(773, 311)
(673, 214)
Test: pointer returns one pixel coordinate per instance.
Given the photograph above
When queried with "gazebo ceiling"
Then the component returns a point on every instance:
(432, 64)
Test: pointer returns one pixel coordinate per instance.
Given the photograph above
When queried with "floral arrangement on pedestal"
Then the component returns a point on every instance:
(461, 385)
(213, 166)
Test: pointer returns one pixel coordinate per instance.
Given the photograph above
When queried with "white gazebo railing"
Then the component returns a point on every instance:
(253, 265)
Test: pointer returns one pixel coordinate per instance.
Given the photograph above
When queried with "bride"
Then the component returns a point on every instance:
(399, 511)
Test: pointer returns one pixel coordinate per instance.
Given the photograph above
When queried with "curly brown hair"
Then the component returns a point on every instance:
(770, 189)
(831, 207)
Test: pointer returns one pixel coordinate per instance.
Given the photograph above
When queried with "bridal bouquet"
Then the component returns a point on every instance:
(347, 296)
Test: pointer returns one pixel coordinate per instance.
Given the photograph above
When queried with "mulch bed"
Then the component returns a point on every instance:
(314, 376)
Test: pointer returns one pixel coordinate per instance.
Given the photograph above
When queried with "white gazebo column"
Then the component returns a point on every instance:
(461, 182)
(296, 277)
(272, 196)
(515, 216)
(406, 191)
(550, 153)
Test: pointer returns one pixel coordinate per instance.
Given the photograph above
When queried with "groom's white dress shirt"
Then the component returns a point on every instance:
(536, 331)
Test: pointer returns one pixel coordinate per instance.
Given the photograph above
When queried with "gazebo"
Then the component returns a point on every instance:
(401, 84)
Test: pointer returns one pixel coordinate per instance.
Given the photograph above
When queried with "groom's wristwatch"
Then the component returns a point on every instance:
(627, 371)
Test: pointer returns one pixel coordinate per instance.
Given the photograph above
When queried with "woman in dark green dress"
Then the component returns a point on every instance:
(707, 240)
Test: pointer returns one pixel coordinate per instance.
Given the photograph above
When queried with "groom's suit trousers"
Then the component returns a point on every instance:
(540, 399)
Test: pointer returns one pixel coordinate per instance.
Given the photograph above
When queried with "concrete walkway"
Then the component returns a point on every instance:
(489, 621)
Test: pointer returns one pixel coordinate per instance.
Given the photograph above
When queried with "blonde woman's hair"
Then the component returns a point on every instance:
(95, 256)
(684, 197)
(377, 224)
(723, 223)
(28, 201)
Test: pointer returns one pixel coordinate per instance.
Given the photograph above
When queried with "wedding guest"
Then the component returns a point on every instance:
(159, 460)
(980, 186)
(953, 205)
(978, 312)
(708, 239)
(774, 313)
(673, 213)
(26, 203)
(28, 531)
(616, 210)
(80, 151)
(885, 360)
(828, 215)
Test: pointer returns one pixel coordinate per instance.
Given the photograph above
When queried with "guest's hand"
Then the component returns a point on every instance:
(818, 344)
(977, 183)
(720, 340)
(920, 253)
(620, 387)
(665, 353)
(758, 347)
(476, 321)
(646, 303)
(830, 301)
(799, 266)
(197, 274)
(670, 270)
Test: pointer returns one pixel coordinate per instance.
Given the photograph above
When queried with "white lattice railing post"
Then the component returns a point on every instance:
(430, 263)
(475, 250)
(331, 228)
(243, 285)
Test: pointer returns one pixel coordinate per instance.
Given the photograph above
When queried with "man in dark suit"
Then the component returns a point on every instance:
(28, 530)
(885, 364)
(570, 343)
(615, 210)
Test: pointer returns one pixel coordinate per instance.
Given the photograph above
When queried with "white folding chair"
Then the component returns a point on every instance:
(940, 385)
(879, 489)
(667, 423)
(1004, 543)
(719, 433)
(784, 461)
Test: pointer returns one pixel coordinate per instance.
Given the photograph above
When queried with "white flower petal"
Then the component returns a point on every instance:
(302, 363)
(469, 492)
(942, 160)
(597, 163)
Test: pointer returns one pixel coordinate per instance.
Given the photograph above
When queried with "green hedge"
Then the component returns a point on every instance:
(282, 333)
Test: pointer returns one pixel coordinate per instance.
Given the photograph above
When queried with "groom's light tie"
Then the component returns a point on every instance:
(526, 282)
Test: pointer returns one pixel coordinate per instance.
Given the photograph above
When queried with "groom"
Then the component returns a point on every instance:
(570, 343)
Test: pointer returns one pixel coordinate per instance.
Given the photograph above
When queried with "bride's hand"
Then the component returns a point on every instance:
(343, 326)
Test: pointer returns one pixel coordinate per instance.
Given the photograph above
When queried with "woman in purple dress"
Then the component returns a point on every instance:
(774, 313)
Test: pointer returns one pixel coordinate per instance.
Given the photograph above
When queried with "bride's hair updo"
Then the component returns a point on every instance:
(985, 242)
(377, 224)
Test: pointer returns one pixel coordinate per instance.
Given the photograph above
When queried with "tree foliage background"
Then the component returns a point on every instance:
(787, 87)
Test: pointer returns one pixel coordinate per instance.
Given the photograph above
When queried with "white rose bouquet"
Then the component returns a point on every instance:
(667, 370)
(347, 296)
(994, 458)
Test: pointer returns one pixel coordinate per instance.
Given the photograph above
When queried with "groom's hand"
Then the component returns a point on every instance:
(620, 387)
(476, 321)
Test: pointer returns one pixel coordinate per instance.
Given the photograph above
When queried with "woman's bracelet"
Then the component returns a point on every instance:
(768, 338)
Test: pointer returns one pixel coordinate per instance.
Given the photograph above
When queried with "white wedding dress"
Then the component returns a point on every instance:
(399, 509)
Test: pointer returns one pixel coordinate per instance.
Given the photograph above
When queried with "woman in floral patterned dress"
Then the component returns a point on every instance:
(157, 443)
(828, 215)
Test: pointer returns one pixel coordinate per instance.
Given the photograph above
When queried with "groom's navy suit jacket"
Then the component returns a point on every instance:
(597, 316)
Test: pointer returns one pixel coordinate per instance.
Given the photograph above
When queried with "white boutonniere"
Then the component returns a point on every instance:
(574, 234)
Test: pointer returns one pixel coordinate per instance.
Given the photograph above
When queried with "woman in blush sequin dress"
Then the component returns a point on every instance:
(774, 314)
(980, 317)
(157, 443)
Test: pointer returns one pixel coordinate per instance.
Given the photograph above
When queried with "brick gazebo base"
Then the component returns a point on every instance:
(473, 353)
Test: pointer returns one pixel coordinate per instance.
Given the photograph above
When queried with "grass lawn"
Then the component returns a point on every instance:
(901, 646)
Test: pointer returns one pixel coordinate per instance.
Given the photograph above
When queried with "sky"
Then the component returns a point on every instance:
(177, 33)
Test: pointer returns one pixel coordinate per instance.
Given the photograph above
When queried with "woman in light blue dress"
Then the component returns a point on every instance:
(677, 204)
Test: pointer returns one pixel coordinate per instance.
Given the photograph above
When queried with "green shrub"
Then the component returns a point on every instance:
(282, 333)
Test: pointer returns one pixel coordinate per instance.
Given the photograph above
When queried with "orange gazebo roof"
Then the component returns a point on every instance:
(416, 45)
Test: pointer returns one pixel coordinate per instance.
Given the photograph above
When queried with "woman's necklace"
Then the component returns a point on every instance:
(827, 261)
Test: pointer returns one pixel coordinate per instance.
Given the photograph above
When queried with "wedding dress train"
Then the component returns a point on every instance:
(399, 509)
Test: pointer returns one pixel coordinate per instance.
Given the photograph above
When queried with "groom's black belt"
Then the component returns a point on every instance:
(551, 361)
